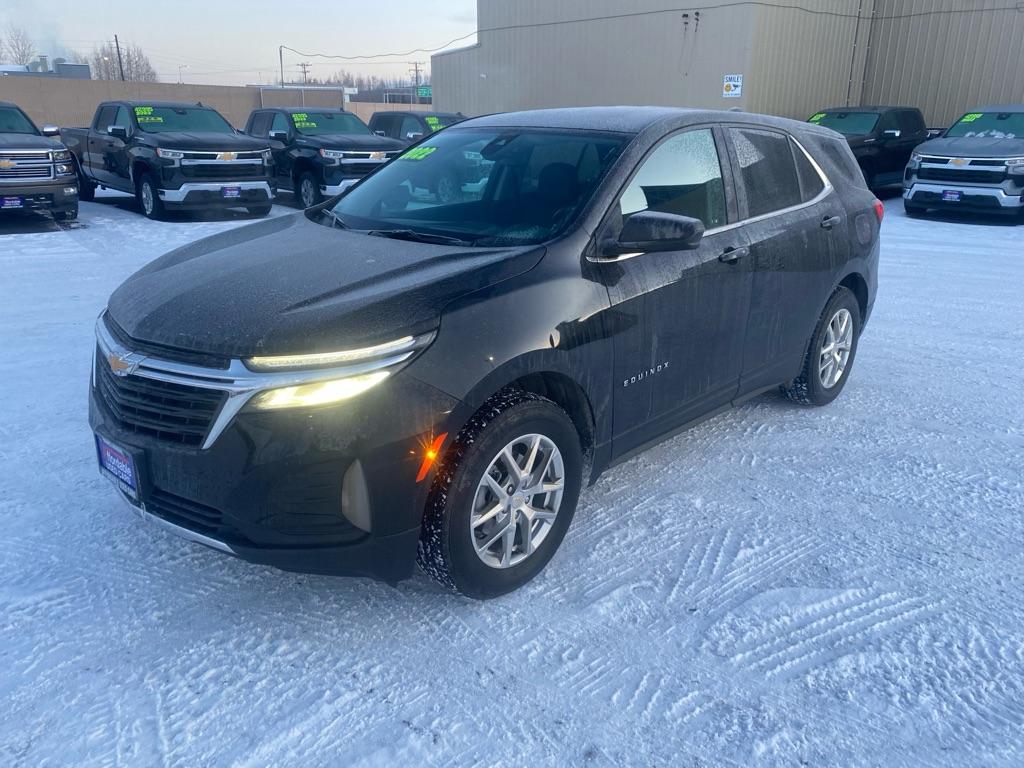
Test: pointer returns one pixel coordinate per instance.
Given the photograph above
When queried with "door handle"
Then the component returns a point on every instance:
(830, 221)
(732, 255)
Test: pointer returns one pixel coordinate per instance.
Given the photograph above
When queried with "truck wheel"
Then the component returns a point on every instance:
(258, 210)
(830, 353)
(86, 189)
(309, 190)
(448, 190)
(504, 496)
(68, 215)
(149, 198)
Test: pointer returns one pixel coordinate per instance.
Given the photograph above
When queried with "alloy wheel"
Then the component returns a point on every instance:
(835, 348)
(308, 192)
(517, 501)
(147, 198)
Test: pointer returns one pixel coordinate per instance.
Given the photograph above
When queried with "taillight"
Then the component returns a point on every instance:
(879, 210)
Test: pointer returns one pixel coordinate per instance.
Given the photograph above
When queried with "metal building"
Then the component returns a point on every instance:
(783, 57)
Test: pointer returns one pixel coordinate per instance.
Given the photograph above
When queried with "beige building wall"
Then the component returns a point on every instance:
(63, 102)
(946, 63)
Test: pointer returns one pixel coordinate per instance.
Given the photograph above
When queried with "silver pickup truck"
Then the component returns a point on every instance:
(977, 165)
(36, 171)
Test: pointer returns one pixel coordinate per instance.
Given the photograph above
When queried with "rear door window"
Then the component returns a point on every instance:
(683, 175)
(766, 169)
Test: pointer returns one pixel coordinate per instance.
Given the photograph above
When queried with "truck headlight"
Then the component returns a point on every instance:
(65, 169)
(169, 154)
(915, 160)
(61, 156)
(332, 154)
(317, 393)
(1015, 165)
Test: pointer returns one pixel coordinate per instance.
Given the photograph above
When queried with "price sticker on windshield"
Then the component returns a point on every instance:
(817, 118)
(301, 120)
(433, 123)
(418, 153)
(145, 115)
(970, 118)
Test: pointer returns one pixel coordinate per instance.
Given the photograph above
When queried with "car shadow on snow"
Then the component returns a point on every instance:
(129, 204)
(28, 222)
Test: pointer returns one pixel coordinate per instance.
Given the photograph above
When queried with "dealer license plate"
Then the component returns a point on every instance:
(12, 202)
(230, 192)
(118, 465)
(952, 195)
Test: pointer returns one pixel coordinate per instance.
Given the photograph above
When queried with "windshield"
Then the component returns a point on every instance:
(847, 123)
(14, 121)
(486, 186)
(989, 125)
(322, 123)
(168, 119)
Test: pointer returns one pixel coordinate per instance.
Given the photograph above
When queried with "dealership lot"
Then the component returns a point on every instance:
(780, 585)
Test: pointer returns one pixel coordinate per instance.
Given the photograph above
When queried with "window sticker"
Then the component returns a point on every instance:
(817, 118)
(418, 153)
(970, 118)
(301, 120)
(145, 115)
(433, 123)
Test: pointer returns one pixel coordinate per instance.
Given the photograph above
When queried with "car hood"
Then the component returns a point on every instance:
(204, 141)
(289, 286)
(970, 146)
(28, 141)
(357, 142)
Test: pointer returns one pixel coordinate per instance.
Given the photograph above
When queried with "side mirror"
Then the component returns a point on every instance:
(891, 134)
(51, 130)
(279, 135)
(413, 136)
(118, 132)
(650, 231)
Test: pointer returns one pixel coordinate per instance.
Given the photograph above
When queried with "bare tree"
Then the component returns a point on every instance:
(137, 68)
(19, 47)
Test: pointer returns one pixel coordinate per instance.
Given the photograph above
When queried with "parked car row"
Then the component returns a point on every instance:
(183, 156)
(977, 164)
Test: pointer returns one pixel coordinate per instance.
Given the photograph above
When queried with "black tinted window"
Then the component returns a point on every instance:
(105, 118)
(260, 124)
(682, 176)
(767, 172)
(810, 182)
(911, 122)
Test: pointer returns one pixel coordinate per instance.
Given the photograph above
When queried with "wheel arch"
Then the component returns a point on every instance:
(858, 286)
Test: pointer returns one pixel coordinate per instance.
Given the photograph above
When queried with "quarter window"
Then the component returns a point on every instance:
(767, 172)
(682, 176)
(810, 182)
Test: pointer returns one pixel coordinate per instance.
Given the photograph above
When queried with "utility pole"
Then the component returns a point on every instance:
(120, 64)
(416, 72)
(280, 57)
(305, 66)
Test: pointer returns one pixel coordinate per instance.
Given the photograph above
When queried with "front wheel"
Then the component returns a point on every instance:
(86, 189)
(147, 194)
(309, 190)
(830, 353)
(504, 496)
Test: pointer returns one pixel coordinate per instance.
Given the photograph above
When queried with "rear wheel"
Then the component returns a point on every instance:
(830, 353)
(504, 497)
(146, 192)
(309, 190)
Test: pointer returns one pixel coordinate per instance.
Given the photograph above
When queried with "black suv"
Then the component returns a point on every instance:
(976, 165)
(409, 126)
(881, 138)
(321, 151)
(36, 170)
(388, 377)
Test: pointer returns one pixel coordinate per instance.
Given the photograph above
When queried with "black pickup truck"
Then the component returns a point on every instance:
(321, 151)
(881, 138)
(172, 156)
(409, 126)
(36, 171)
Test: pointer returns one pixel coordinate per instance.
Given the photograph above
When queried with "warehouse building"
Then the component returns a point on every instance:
(782, 57)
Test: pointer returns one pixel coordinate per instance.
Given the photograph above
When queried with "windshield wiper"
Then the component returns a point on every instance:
(419, 237)
(335, 219)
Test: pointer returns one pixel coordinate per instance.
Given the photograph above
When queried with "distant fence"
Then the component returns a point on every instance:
(65, 102)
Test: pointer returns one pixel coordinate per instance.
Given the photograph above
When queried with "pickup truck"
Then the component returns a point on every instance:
(976, 165)
(410, 126)
(881, 138)
(319, 152)
(36, 172)
(172, 155)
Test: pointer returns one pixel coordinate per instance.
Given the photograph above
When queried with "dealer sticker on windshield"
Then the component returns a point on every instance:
(118, 465)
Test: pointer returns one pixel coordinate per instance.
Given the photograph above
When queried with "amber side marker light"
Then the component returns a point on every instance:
(430, 456)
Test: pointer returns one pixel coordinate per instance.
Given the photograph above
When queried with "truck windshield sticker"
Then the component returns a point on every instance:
(816, 118)
(433, 123)
(301, 120)
(145, 115)
(970, 118)
(418, 153)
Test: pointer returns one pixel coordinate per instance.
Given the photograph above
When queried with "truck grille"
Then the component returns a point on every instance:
(968, 176)
(26, 156)
(176, 413)
(225, 172)
(184, 512)
(360, 169)
(30, 172)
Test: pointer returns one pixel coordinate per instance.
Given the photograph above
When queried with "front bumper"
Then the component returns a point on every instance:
(59, 195)
(328, 490)
(209, 194)
(972, 197)
(330, 190)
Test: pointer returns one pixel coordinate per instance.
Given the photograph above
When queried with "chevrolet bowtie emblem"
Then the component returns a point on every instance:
(227, 156)
(6, 165)
(123, 365)
(959, 161)
(376, 155)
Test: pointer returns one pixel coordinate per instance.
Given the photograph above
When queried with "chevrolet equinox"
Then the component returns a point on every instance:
(388, 377)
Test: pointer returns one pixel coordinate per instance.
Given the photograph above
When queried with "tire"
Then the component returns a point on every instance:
(259, 210)
(815, 384)
(307, 190)
(448, 550)
(86, 189)
(148, 197)
(448, 190)
(69, 215)
(913, 210)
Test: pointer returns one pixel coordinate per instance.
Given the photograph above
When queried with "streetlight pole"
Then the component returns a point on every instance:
(181, 67)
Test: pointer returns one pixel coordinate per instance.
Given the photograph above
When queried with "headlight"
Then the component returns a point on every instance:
(403, 348)
(915, 159)
(61, 156)
(317, 393)
(169, 154)
(1015, 165)
(332, 154)
(65, 169)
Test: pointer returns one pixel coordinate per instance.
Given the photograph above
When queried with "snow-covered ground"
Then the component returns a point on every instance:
(779, 586)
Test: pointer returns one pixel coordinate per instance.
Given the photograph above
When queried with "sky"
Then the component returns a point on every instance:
(235, 43)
